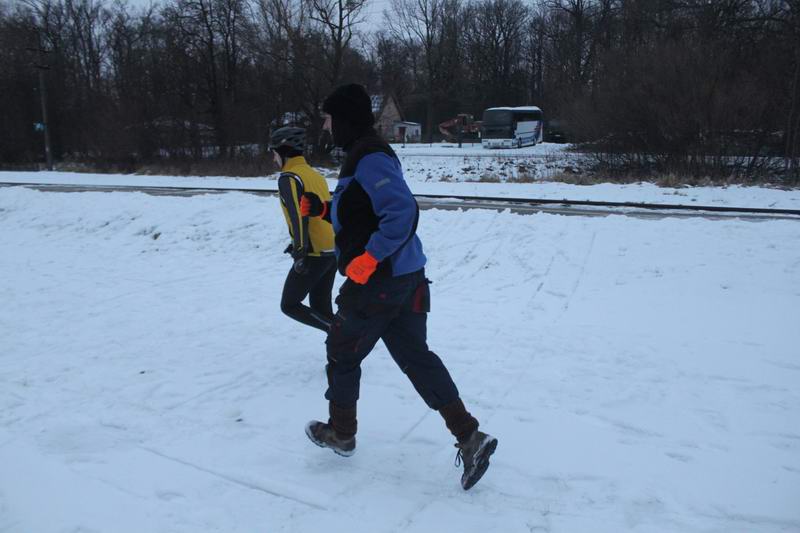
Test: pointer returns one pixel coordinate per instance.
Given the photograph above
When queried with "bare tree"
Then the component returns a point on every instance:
(494, 41)
(395, 65)
(427, 25)
(338, 19)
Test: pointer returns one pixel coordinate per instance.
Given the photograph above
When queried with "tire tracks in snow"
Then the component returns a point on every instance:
(283, 493)
(475, 252)
(228, 385)
(533, 313)
(579, 278)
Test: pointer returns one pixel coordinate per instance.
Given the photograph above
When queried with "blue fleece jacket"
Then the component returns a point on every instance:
(381, 177)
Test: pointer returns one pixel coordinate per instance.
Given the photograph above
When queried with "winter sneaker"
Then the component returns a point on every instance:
(474, 453)
(324, 436)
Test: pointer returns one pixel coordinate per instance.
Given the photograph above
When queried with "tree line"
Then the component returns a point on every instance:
(697, 86)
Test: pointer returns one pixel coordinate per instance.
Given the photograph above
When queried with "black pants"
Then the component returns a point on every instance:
(317, 284)
(395, 310)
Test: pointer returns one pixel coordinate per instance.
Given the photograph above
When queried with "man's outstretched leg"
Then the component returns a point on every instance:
(405, 339)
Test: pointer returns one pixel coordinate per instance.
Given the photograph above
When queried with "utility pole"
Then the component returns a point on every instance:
(41, 67)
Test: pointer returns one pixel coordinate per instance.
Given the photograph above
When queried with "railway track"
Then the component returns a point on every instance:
(517, 205)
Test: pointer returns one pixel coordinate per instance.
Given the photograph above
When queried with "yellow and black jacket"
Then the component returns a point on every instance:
(310, 236)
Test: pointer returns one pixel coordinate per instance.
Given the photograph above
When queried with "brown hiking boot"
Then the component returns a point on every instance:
(324, 436)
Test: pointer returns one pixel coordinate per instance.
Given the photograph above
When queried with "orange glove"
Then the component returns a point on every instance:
(361, 268)
(312, 206)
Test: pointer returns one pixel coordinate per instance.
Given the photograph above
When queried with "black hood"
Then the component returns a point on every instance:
(345, 133)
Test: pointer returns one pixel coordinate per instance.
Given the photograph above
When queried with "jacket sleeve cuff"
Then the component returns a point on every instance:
(373, 254)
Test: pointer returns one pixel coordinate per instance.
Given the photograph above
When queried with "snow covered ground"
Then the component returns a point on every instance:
(641, 375)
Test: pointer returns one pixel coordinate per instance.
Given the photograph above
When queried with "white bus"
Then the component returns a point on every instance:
(512, 127)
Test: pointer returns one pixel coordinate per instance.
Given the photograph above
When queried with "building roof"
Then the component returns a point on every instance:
(381, 101)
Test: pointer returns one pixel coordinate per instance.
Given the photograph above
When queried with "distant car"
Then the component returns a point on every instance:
(555, 131)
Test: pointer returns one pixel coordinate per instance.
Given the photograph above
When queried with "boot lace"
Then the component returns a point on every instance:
(459, 456)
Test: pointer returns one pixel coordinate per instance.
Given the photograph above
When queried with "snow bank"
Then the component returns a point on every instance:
(422, 180)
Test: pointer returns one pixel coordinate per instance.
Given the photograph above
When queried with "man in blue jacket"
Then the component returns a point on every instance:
(386, 294)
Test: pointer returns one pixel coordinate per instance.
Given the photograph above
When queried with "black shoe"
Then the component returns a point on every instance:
(475, 452)
(324, 436)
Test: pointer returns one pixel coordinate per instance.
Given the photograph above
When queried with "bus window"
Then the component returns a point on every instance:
(497, 117)
(529, 116)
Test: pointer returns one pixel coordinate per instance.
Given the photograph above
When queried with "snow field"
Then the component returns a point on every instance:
(641, 375)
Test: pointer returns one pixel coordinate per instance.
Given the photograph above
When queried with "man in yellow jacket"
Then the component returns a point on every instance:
(312, 246)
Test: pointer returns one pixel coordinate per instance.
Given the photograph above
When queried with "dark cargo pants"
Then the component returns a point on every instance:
(393, 309)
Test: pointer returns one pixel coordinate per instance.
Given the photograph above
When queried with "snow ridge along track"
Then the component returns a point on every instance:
(450, 201)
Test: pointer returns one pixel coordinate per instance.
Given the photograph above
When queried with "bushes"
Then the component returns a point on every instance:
(706, 98)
